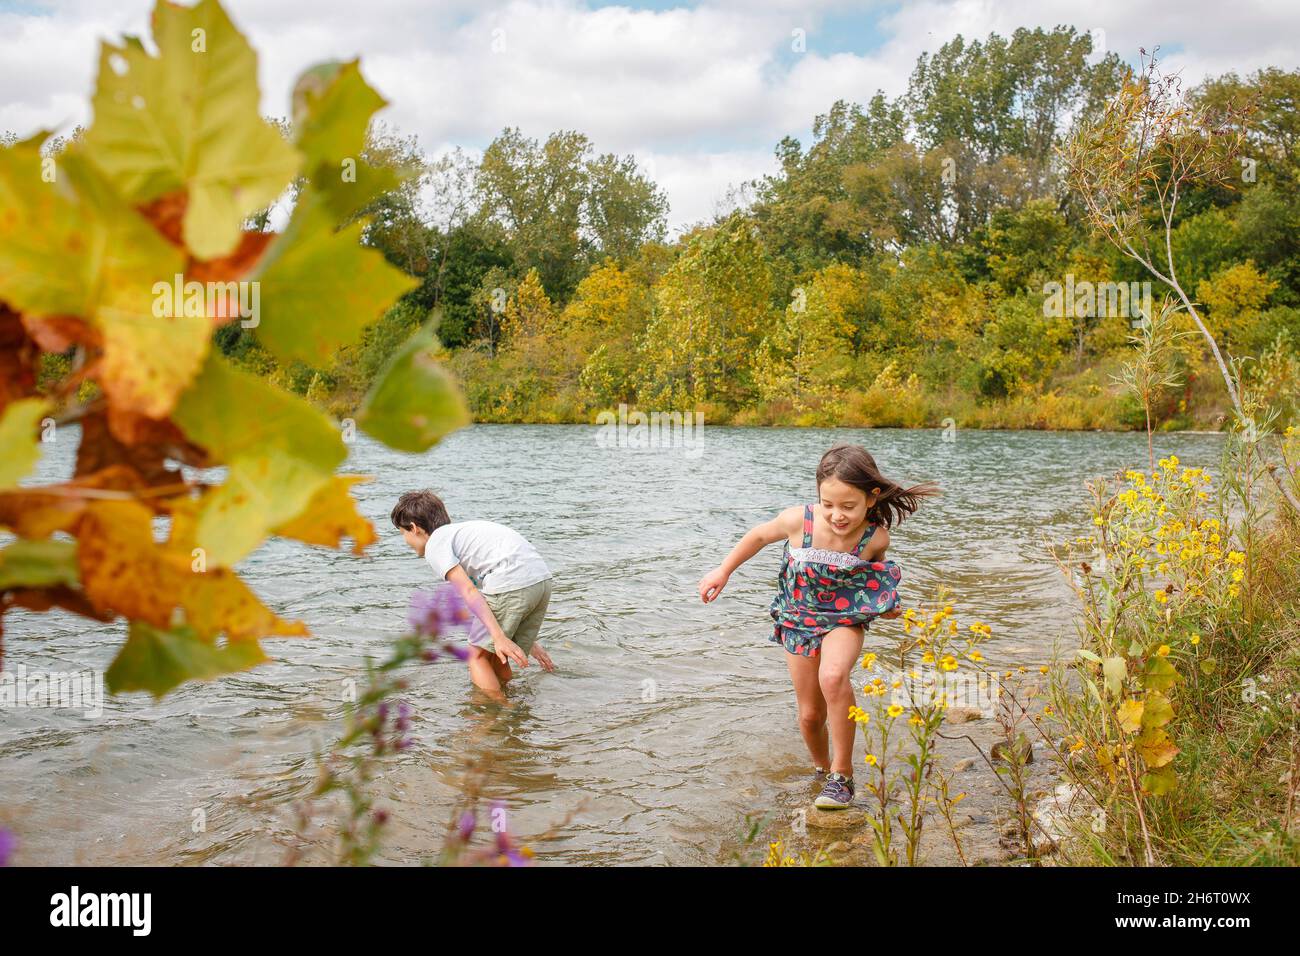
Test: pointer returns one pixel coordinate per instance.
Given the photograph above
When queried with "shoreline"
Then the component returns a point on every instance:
(898, 428)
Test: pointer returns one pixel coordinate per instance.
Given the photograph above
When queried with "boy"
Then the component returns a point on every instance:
(499, 575)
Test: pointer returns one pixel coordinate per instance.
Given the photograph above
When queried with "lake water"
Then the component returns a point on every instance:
(667, 721)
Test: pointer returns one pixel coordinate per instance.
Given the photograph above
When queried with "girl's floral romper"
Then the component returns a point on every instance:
(820, 590)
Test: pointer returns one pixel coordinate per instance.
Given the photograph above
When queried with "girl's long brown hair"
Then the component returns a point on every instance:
(853, 465)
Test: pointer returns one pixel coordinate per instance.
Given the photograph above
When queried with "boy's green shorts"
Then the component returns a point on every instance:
(519, 613)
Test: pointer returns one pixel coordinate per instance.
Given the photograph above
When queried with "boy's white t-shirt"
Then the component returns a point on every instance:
(496, 558)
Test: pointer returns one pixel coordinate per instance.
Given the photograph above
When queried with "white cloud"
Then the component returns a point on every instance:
(705, 91)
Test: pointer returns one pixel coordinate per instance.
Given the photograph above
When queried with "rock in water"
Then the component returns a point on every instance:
(961, 715)
(835, 819)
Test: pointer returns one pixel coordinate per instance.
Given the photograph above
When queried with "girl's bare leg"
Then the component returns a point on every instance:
(841, 649)
(812, 707)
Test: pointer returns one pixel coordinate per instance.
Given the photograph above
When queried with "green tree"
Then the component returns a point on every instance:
(811, 212)
(563, 208)
(711, 309)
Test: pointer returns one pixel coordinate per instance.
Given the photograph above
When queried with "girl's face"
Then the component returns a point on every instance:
(843, 506)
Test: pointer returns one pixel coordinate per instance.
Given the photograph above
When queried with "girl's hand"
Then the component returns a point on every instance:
(711, 584)
(894, 613)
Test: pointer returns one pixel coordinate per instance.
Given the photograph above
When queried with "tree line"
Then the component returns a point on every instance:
(898, 269)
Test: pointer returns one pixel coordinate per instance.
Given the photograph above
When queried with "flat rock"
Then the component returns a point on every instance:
(835, 819)
(961, 715)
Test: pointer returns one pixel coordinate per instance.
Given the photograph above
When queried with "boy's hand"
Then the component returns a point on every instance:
(508, 650)
(711, 584)
(543, 658)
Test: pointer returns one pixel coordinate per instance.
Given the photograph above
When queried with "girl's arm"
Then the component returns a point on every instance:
(878, 545)
(505, 648)
(875, 551)
(755, 540)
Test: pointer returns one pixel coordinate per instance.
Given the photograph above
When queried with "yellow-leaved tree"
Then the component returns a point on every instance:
(607, 313)
(1234, 297)
(528, 311)
(807, 357)
(711, 310)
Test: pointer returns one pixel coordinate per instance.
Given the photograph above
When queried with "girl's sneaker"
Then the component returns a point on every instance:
(837, 794)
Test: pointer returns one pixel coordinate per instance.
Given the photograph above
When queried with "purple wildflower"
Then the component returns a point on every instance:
(456, 650)
(465, 829)
(403, 715)
(7, 844)
(433, 612)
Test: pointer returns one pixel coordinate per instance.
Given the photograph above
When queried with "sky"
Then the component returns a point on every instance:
(700, 93)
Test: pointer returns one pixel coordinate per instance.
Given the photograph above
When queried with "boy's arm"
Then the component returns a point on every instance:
(754, 541)
(505, 648)
(543, 658)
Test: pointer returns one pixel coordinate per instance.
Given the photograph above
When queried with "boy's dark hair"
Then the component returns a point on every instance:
(423, 509)
(853, 465)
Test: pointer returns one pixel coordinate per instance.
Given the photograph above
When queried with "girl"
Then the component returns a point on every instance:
(834, 580)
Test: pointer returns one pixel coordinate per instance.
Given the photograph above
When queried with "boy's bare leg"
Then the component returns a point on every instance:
(483, 673)
(840, 651)
(502, 670)
(812, 707)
